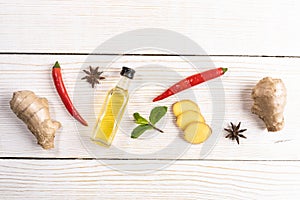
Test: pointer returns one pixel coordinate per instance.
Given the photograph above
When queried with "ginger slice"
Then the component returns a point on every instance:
(184, 105)
(197, 132)
(187, 117)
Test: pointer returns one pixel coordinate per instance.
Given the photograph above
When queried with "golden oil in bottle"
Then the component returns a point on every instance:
(113, 109)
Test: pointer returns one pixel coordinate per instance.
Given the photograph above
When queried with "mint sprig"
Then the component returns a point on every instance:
(156, 114)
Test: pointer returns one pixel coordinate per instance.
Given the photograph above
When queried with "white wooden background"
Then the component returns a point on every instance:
(252, 38)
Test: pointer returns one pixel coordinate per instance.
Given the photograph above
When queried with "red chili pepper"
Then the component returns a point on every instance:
(60, 87)
(191, 81)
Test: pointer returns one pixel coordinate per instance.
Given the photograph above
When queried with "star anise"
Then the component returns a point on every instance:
(234, 132)
(93, 76)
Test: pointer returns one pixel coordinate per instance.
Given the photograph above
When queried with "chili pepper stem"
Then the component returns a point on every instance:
(224, 70)
(56, 65)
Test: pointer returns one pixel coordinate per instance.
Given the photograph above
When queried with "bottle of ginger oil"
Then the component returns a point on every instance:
(113, 109)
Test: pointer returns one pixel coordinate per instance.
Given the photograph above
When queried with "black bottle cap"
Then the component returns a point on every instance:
(127, 72)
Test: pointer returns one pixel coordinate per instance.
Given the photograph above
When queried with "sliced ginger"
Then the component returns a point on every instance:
(191, 121)
(197, 132)
(34, 112)
(184, 105)
(187, 117)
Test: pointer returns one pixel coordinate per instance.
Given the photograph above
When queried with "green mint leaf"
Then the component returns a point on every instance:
(139, 130)
(157, 113)
(139, 119)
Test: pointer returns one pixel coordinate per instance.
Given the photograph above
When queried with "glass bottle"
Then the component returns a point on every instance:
(113, 109)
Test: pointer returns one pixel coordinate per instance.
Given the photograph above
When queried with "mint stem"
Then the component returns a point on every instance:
(156, 128)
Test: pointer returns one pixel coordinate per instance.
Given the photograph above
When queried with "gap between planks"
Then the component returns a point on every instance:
(144, 159)
(144, 54)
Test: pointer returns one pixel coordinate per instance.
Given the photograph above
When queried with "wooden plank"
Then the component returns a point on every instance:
(81, 179)
(260, 27)
(32, 72)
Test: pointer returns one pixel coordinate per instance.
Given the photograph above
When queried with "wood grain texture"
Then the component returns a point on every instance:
(20, 72)
(78, 179)
(231, 27)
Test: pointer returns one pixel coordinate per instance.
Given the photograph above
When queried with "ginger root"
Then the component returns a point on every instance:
(34, 112)
(269, 97)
